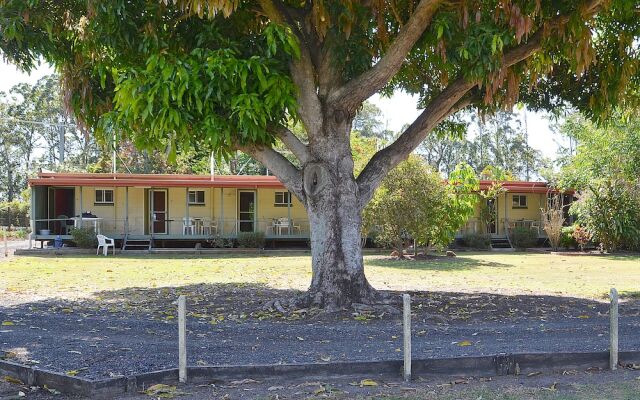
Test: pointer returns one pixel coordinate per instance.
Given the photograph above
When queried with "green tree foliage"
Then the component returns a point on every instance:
(609, 150)
(605, 169)
(231, 75)
(414, 203)
(610, 212)
(37, 131)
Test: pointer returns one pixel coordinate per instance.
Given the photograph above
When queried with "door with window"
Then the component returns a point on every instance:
(158, 211)
(246, 211)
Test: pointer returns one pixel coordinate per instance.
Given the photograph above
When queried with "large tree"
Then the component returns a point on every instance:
(230, 74)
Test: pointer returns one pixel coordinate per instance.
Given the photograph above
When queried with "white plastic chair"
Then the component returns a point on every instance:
(105, 243)
(187, 226)
(209, 226)
(283, 223)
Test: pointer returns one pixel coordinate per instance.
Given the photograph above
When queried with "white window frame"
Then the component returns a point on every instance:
(103, 201)
(519, 198)
(194, 201)
(283, 202)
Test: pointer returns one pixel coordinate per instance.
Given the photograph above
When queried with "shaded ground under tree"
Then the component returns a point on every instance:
(135, 330)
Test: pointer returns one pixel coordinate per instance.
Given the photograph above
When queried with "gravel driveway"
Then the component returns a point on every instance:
(103, 337)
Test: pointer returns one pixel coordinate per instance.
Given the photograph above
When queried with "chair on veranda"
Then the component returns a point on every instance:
(188, 226)
(104, 243)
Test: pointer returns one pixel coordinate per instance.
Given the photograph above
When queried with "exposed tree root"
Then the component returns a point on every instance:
(376, 302)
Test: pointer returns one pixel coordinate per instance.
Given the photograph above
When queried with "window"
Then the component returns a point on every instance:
(196, 197)
(283, 199)
(104, 196)
(519, 201)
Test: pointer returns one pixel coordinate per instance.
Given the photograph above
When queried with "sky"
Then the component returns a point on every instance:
(397, 110)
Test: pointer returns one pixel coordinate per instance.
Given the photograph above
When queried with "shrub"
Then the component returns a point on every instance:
(220, 242)
(14, 213)
(84, 238)
(253, 240)
(476, 240)
(610, 211)
(581, 236)
(566, 239)
(523, 238)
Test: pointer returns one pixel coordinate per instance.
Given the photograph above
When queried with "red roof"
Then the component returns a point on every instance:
(519, 186)
(225, 181)
(154, 180)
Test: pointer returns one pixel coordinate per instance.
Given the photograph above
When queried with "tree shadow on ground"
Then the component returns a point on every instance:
(214, 303)
(433, 263)
(134, 329)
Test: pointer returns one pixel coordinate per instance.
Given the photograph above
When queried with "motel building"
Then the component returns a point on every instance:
(144, 211)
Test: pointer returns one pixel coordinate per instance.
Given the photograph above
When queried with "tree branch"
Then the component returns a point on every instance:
(302, 71)
(386, 159)
(289, 175)
(358, 90)
(293, 143)
(446, 103)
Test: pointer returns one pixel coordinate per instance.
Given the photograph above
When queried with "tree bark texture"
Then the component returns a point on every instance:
(331, 199)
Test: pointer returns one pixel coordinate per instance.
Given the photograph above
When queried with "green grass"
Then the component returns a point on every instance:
(506, 273)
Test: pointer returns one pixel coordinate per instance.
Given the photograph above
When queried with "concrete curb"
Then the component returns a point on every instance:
(502, 364)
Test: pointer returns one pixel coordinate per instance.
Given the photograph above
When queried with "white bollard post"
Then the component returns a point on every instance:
(406, 325)
(6, 244)
(613, 330)
(182, 339)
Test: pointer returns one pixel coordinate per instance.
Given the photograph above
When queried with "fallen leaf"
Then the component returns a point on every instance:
(584, 316)
(464, 343)
(11, 379)
(7, 323)
(368, 382)
(72, 372)
(162, 391)
(243, 382)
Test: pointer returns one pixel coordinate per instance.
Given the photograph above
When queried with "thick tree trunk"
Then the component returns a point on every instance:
(335, 220)
(338, 268)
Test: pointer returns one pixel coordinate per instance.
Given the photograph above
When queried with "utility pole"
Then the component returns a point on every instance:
(114, 155)
(61, 143)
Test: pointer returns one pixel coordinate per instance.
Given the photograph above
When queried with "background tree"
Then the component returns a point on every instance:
(229, 75)
(604, 169)
(368, 121)
(415, 203)
(407, 205)
(499, 140)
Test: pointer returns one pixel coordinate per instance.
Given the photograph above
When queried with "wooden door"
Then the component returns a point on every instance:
(158, 207)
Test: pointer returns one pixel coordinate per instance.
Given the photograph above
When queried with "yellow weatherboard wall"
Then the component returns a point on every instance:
(220, 204)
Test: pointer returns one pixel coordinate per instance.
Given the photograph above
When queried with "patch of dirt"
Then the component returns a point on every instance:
(581, 384)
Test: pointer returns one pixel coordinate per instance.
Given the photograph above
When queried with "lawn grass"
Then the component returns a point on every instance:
(504, 273)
